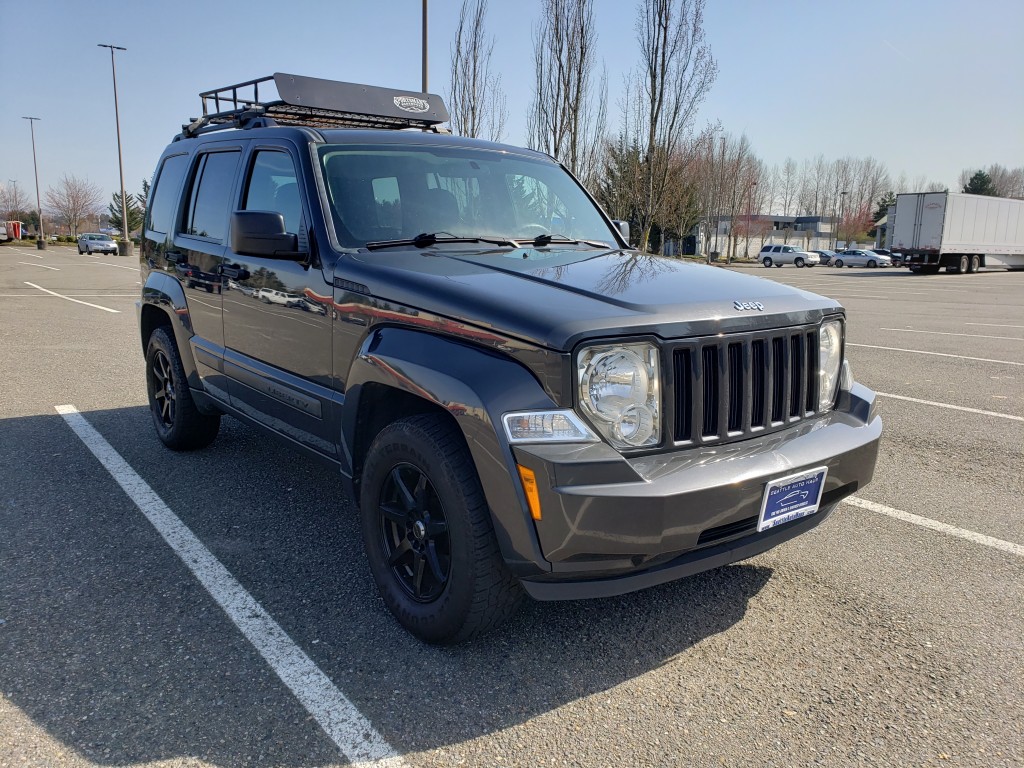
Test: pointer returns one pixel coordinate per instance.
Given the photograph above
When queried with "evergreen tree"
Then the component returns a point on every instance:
(980, 184)
(884, 202)
(134, 214)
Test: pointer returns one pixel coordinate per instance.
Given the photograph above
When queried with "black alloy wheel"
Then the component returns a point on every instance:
(179, 424)
(414, 533)
(163, 389)
(428, 533)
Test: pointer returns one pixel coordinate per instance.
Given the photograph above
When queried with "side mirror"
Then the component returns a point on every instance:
(623, 227)
(262, 233)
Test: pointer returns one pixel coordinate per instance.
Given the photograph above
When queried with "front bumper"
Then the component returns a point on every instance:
(612, 525)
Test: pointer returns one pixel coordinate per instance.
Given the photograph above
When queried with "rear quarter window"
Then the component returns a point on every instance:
(160, 212)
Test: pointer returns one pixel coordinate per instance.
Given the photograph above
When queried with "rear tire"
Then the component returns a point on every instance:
(767, 261)
(975, 265)
(179, 424)
(428, 534)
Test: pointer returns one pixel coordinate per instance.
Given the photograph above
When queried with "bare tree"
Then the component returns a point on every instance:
(13, 200)
(566, 118)
(676, 72)
(476, 100)
(72, 201)
(789, 186)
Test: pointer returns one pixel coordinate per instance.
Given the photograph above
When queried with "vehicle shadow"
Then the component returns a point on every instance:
(111, 646)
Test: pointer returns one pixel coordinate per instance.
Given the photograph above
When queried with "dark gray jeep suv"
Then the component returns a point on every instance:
(520, 404)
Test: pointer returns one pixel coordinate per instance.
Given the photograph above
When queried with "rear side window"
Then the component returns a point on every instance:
(160, 212)
(207, 214)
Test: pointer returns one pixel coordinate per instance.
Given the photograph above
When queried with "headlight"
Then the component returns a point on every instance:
(830, 360)
(620, 390)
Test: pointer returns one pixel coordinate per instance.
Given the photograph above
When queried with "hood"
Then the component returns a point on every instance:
(557, 297)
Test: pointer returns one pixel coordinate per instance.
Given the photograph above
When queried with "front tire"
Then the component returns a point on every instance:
(428, 534)
(799, 263)
(179, 424)
(839, 263)
(872, 264)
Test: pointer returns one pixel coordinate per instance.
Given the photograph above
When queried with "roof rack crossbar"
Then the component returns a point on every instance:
(316, 103)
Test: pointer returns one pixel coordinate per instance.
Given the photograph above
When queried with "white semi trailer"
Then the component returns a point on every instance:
(960, 232)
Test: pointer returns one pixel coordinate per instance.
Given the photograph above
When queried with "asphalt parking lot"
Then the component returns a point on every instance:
(891, 635)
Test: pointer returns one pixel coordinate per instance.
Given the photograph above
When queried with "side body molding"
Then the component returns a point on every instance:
(476, 386)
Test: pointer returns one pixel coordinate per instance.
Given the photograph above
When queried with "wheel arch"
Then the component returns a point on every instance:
(163, 305)
(402, 372)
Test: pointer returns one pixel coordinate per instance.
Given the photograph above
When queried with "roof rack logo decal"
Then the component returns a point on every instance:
(411, 104)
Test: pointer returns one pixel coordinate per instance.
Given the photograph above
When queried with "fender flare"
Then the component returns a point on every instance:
(475, 386)
(163, 293)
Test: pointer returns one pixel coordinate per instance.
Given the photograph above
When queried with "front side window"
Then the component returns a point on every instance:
(207, 215)
(272, 186)
(399, 192)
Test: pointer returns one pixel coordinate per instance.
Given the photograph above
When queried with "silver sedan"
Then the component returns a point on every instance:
(858, 257)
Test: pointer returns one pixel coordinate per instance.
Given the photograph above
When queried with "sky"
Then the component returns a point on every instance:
(928, 87)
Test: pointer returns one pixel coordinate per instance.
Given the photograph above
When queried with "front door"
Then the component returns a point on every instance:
(277, 315)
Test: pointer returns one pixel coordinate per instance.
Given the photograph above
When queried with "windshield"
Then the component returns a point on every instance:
(398, 192)
(104, 237)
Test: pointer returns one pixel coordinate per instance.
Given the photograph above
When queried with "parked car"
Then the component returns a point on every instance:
(826, 257)
(271, 296)
(896, 258)
(777, 255)
(96, 242)
(860, 257)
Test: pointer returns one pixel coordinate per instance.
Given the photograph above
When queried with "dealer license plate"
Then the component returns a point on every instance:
(791, 497)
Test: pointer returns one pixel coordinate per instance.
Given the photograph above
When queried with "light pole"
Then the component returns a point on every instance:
(750, 201)
(424, 46)
(13, 197)
(842, 202)
(125, 245)
(40, 240)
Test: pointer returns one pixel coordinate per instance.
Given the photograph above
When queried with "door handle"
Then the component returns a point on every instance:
(234, 271)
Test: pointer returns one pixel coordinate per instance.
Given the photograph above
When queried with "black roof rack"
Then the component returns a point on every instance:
(316, 103)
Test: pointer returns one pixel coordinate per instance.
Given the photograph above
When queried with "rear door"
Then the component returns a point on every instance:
(197, 253)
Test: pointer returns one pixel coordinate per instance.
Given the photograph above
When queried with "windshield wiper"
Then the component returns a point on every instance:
(426, 239)
(543, 240)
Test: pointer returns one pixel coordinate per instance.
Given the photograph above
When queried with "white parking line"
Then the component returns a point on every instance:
(945, 333)
(119, 266)
(42, 266)
(951, 407)
(935, 354)
(935, 525)
(354, 735)
(68, 298)
(996, 325)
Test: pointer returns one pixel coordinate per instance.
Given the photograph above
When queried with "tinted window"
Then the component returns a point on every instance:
(272, 187)
(208, 213)
(160, 212)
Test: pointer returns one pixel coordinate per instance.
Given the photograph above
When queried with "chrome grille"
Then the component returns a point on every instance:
(731, 387)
